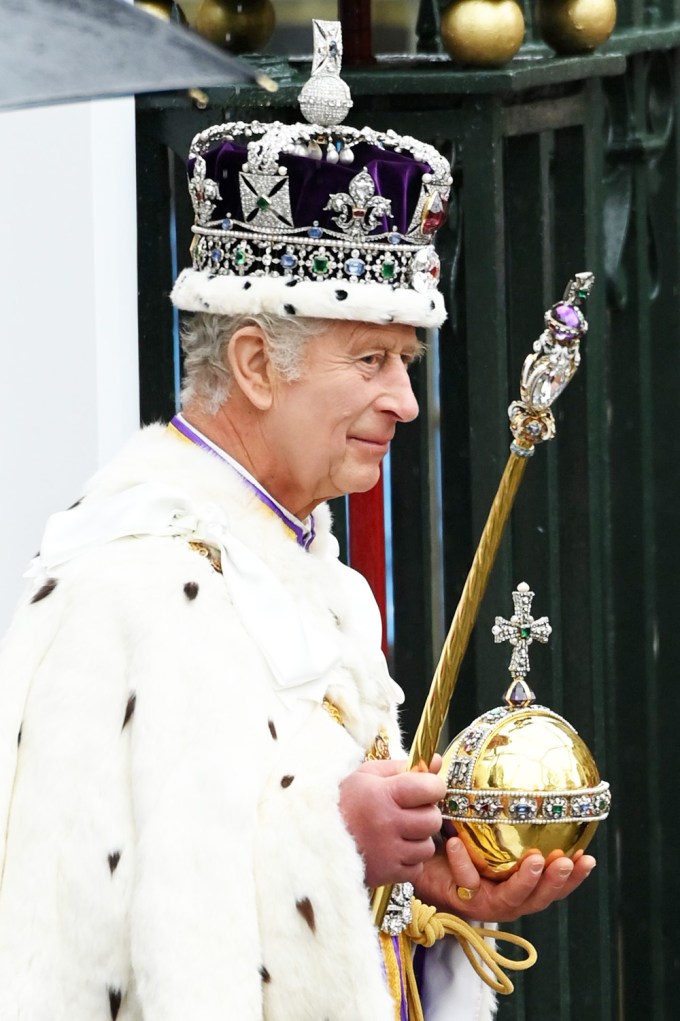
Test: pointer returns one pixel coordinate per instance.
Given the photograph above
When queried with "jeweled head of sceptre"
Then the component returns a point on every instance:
(550, 368)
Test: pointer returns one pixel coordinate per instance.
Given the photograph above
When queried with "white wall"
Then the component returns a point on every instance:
(68, 313)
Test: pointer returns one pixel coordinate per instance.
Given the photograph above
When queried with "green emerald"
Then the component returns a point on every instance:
(239, 257)
(387, 270)
(557, 810)
(263, 203)
(320, 264)
(525, 632)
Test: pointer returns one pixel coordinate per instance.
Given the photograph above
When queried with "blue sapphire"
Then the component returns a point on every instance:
(216, 255)
(355, 267)
(288, 261)
(394, 239)
(226, 223)
(314, 232)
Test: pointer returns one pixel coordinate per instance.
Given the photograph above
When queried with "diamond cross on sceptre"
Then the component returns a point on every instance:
(521, 630)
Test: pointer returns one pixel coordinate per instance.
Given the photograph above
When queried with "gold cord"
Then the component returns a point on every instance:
(429, 925)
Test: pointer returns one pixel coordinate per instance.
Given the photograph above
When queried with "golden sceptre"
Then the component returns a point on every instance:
(545, 374)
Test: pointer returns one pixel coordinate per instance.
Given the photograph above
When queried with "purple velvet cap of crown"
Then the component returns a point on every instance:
(397, 176)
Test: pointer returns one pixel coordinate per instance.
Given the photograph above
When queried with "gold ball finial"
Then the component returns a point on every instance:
(240, 26)
(485, 33)
(575, 26)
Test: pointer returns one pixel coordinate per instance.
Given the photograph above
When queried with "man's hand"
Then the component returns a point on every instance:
(393, 817)
(532, 888)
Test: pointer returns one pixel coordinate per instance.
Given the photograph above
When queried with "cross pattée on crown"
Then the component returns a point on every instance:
(521, 630)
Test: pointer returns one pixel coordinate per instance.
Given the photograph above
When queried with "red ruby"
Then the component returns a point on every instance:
(434, 214)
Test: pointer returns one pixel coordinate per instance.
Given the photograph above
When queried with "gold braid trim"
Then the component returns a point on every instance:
(429, 925)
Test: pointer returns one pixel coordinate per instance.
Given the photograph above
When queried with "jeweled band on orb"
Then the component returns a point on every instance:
(538, 808)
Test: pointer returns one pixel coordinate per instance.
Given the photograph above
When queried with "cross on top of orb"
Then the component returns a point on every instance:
(521, 630)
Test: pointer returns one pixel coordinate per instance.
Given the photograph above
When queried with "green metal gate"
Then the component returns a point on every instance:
(561, 164)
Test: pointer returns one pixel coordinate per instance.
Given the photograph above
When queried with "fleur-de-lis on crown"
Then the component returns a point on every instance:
(361, 210)
(204, 192)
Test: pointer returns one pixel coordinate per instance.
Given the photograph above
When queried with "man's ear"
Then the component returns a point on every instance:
(248, 359)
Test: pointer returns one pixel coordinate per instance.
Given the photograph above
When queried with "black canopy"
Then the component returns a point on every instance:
(53, 51)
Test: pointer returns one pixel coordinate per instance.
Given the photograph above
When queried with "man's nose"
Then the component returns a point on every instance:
(400, 397)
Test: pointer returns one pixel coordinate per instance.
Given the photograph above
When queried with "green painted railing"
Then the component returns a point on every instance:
(561, 164)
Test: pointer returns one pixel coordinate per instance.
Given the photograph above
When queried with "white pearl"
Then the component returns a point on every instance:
(332, 154)
(346, 155)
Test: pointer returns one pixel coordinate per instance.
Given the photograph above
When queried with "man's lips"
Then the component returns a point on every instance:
(379, 442)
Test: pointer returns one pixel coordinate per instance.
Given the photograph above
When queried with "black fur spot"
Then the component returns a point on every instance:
(19, 735)
(264, 974)
(432, 305)
(114, 858)
(129, 709)
(205, 304)
(247, 285)
(272, 730)
(305, 908)
(291, 283)
(76, 504)
(286, 781)
(289, 310)
(48, 587)
(341, 295)
(191, 590)
(115, 996)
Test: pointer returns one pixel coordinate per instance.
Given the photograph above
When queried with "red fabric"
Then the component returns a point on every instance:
(355, 17)
(367, 544)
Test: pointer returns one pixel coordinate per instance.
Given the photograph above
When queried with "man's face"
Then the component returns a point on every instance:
(330, 429)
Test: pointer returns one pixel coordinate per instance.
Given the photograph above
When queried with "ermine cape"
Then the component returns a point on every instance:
(171, 846)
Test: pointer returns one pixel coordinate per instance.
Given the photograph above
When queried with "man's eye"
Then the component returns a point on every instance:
(373, 359)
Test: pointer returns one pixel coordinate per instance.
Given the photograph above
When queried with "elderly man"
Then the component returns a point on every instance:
(195, 711)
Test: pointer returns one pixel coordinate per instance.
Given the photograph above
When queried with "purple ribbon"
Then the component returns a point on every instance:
(303, 536)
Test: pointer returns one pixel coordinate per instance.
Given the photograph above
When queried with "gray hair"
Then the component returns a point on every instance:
(205, 338)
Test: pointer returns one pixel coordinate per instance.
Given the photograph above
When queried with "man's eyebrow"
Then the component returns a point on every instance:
(416, 350)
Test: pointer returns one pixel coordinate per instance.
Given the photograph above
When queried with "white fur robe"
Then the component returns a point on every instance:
(170, 841)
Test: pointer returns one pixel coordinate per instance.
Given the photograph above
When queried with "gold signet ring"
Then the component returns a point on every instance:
(465, 893)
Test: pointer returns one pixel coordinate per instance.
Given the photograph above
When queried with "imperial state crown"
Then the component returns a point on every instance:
(316, 218)
(519, 778)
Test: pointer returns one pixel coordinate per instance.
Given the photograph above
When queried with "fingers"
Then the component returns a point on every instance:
(410, 790)
(463, 872)
(532, 888)
(420, 823)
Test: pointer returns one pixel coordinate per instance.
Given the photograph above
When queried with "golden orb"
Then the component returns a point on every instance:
(575, 26)
(486, 33)
(519, 778)
(241, 26)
